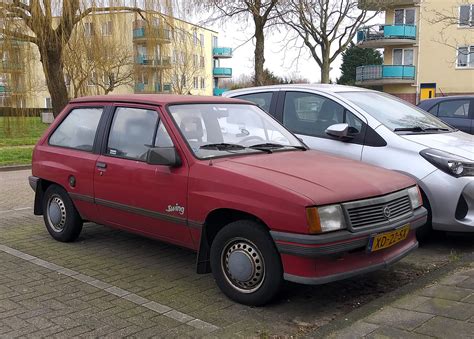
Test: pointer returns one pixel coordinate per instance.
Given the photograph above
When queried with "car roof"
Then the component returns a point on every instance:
(322, 87)
(449, 97)
(158, 99)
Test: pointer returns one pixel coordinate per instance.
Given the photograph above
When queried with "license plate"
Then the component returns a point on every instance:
(387, 239)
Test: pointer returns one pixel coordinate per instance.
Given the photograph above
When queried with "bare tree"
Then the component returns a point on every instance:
(49, 25)
(262, 12)
(325, 27)
(188, 62)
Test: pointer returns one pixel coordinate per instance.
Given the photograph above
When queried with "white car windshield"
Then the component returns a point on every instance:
(395, 113)
(226, 129)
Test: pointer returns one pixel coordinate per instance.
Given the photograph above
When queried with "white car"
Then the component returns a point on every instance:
(382, 130)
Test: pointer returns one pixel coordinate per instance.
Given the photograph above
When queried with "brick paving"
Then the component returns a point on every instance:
(444, 309)
(118, 274)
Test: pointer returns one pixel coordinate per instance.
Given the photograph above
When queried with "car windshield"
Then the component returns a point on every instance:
(222, 129)
(396, 114)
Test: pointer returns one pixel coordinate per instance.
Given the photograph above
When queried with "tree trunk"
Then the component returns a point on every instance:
(259, 53)
(326, 66)
(53, 72)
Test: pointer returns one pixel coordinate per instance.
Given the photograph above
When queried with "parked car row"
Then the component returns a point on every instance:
(224, 178)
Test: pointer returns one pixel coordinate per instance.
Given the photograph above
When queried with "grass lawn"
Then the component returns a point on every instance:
(17, 138)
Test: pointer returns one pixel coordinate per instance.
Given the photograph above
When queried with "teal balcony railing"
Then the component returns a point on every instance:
(139, 87)
(223, 52)
(156, 87)
(151, 33)
(9, 66)
(150, 60)
(218, 91)
(379, 32)
(222, 71)
(380, 72)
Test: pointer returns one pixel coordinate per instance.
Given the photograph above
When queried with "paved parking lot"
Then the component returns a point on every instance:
(111, 283)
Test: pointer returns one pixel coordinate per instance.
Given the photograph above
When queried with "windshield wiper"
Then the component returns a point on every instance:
(269, 145)
(436, 129)
(409, 129)
(223, 146)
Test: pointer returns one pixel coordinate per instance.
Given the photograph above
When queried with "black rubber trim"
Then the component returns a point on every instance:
(331, 249)
(345, 275)
(136, 210)
(417, 220)
(33, 181)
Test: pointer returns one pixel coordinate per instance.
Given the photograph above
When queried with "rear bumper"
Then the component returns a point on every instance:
(320, 259)
(33, 182)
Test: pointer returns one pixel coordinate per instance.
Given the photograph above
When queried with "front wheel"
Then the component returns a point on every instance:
(246, 264)
(61, 218)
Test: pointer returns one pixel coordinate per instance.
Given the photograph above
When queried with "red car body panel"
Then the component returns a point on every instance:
(274, 188)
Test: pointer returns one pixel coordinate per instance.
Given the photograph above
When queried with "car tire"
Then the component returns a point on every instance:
(61, 218)
(246, 264)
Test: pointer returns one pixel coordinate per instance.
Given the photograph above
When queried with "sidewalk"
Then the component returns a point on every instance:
(443, 309)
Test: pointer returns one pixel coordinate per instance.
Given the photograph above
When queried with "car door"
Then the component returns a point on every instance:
(456, 113)
(310, 114)
(134, 195)
(265, 100)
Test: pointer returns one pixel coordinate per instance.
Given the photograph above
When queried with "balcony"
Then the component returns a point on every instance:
(7, 66)
(218, 91)
(151, 88)
(153, 61)
(155, 34)
(373, 75)
(222, 52)
(382, 5)
(222, 72)
(379, 36)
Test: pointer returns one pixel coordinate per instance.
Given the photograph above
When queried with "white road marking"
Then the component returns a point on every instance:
(117, 291)
(17, 209)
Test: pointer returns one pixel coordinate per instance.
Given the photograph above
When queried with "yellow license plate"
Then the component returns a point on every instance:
(384, 240)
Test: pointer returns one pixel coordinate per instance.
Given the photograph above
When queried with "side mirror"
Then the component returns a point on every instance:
(166, 156)
(340, 131)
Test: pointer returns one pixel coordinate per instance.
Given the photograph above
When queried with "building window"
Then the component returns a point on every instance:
(203, 83)
(183, 80)
(201, 62)
(214, 41)
(402, 56)
(107, 28)
(201, 39)
(404, 16)
(195, 60)
(48, 103)
(466, 15)
(465, 57)
(195, 38)
(92, 81)
(195, 82)
(88, 28)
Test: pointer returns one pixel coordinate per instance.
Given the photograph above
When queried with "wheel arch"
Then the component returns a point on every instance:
(214, 222)
(41, 187)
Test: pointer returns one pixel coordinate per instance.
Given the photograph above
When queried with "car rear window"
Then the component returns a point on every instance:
(78, 129)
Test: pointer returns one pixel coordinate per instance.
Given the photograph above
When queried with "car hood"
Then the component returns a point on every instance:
(319, 176)
(458, 142)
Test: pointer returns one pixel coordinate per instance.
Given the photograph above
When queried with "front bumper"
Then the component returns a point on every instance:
(319, 259)
(33, 182)
(451, 200)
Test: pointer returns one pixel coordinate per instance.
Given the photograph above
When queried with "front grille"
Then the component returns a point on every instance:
(378, 211)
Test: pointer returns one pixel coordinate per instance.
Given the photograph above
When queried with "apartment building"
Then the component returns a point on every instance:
(120, 53)
(428, 48)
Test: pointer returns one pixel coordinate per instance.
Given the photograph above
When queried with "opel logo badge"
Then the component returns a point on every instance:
(386, 212)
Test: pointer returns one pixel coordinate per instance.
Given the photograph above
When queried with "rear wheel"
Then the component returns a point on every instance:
(61, 218)
(245, 263)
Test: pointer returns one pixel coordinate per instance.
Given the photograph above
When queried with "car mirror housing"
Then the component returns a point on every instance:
(165, 156)
(340, 131)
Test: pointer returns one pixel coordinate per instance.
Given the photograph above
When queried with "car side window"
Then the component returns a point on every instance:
(132, 133)
(78, 129)
(312, 114)
(263, 100)
(434, 110)
(454, 109)
(162, 138)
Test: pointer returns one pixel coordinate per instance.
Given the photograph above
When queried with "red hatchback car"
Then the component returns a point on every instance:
(225, 179)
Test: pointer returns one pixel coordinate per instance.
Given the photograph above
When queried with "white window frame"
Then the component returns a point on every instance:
(88, 29)
(470, 54)
(108, 25)
(471, 17)
(203, 83)
(405, 15)
(403, 56)
(46, 103)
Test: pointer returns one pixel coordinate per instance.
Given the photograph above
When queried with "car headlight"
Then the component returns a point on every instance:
(414, 194)
(450, 163)
(325, 219)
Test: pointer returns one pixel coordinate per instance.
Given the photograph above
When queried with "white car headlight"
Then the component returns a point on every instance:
(325, 219)
(416, 199)
(450, 163)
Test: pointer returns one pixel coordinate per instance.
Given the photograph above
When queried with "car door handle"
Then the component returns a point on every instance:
(101, 165)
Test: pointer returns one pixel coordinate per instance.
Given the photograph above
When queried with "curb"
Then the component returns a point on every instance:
(358, 314)
(14, 168)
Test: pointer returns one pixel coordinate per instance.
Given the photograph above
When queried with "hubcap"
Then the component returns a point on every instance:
(56, 213)
(243, 265)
